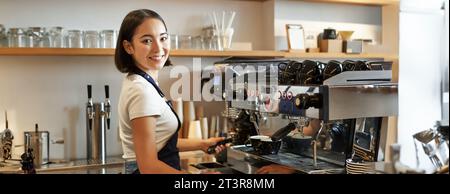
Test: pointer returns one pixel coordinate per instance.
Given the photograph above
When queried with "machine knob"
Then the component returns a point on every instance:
(305, 101)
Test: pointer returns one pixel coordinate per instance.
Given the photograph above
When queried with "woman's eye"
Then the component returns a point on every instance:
(163, 38)
(147, 41)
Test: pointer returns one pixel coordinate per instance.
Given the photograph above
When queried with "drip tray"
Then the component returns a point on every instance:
(215, 167)
(208, 165)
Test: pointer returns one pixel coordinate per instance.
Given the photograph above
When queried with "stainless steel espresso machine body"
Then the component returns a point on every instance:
(349, 101)
(97, 121)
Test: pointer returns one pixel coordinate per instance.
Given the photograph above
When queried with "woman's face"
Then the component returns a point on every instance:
(150, 45)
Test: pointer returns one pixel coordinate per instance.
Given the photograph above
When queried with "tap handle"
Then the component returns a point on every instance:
(108, 121)
(36, 127)
(6, 119)
(107, 91)
(89, 90)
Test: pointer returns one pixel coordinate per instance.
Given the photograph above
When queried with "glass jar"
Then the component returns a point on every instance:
(185, 42)
(91, 39)
(16, 37)
(37, 37)
(209, 34)
(56, 37)
(198, 43)
(74, 39)
(3, 37)
(174, 41)
(108, 39)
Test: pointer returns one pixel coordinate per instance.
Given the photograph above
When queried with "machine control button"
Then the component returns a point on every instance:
(305, 101)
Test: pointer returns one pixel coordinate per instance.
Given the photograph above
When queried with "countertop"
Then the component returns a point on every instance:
(113, 165)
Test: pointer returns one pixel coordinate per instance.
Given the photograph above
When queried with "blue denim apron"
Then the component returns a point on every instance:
(169, 153)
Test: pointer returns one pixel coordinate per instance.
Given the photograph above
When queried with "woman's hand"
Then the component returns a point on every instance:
(211, 142)
(210, 172)
(275, 169)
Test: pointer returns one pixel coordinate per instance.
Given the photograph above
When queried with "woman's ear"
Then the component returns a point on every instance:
(128, 47)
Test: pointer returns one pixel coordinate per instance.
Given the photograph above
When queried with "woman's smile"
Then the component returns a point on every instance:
(156, 58)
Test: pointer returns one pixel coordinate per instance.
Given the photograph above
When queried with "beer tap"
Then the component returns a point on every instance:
(90, 108)
(107, 107)
(98, 116)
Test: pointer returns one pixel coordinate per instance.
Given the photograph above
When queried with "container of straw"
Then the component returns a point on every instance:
(222, 23)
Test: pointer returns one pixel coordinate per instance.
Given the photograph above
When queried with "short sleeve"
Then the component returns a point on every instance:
(143, 101)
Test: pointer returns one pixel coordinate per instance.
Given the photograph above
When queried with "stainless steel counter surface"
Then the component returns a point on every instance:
(113, 165)
(191, 159)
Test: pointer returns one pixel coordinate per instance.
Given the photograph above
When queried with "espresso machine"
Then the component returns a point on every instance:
(323, 113)
(97, 121)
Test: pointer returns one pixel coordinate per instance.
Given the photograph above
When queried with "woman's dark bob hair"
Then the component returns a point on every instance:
(124, 61)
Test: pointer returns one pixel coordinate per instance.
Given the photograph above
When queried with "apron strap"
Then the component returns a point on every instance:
(158, 89)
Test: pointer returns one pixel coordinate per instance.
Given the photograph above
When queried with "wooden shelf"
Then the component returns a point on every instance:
(56, 52)
(182, 53)
(357, 2)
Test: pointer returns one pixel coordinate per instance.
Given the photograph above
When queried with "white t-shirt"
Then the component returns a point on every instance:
(138, 98)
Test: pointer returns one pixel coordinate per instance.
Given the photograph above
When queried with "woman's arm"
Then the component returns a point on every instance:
(275, 169)
(199, 144)
(145, 147)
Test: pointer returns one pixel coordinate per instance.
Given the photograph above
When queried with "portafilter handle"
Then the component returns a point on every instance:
(212, 149)
(281, 133)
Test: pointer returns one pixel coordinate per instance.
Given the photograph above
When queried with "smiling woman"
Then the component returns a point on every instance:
(139, 30)
(148, 124)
